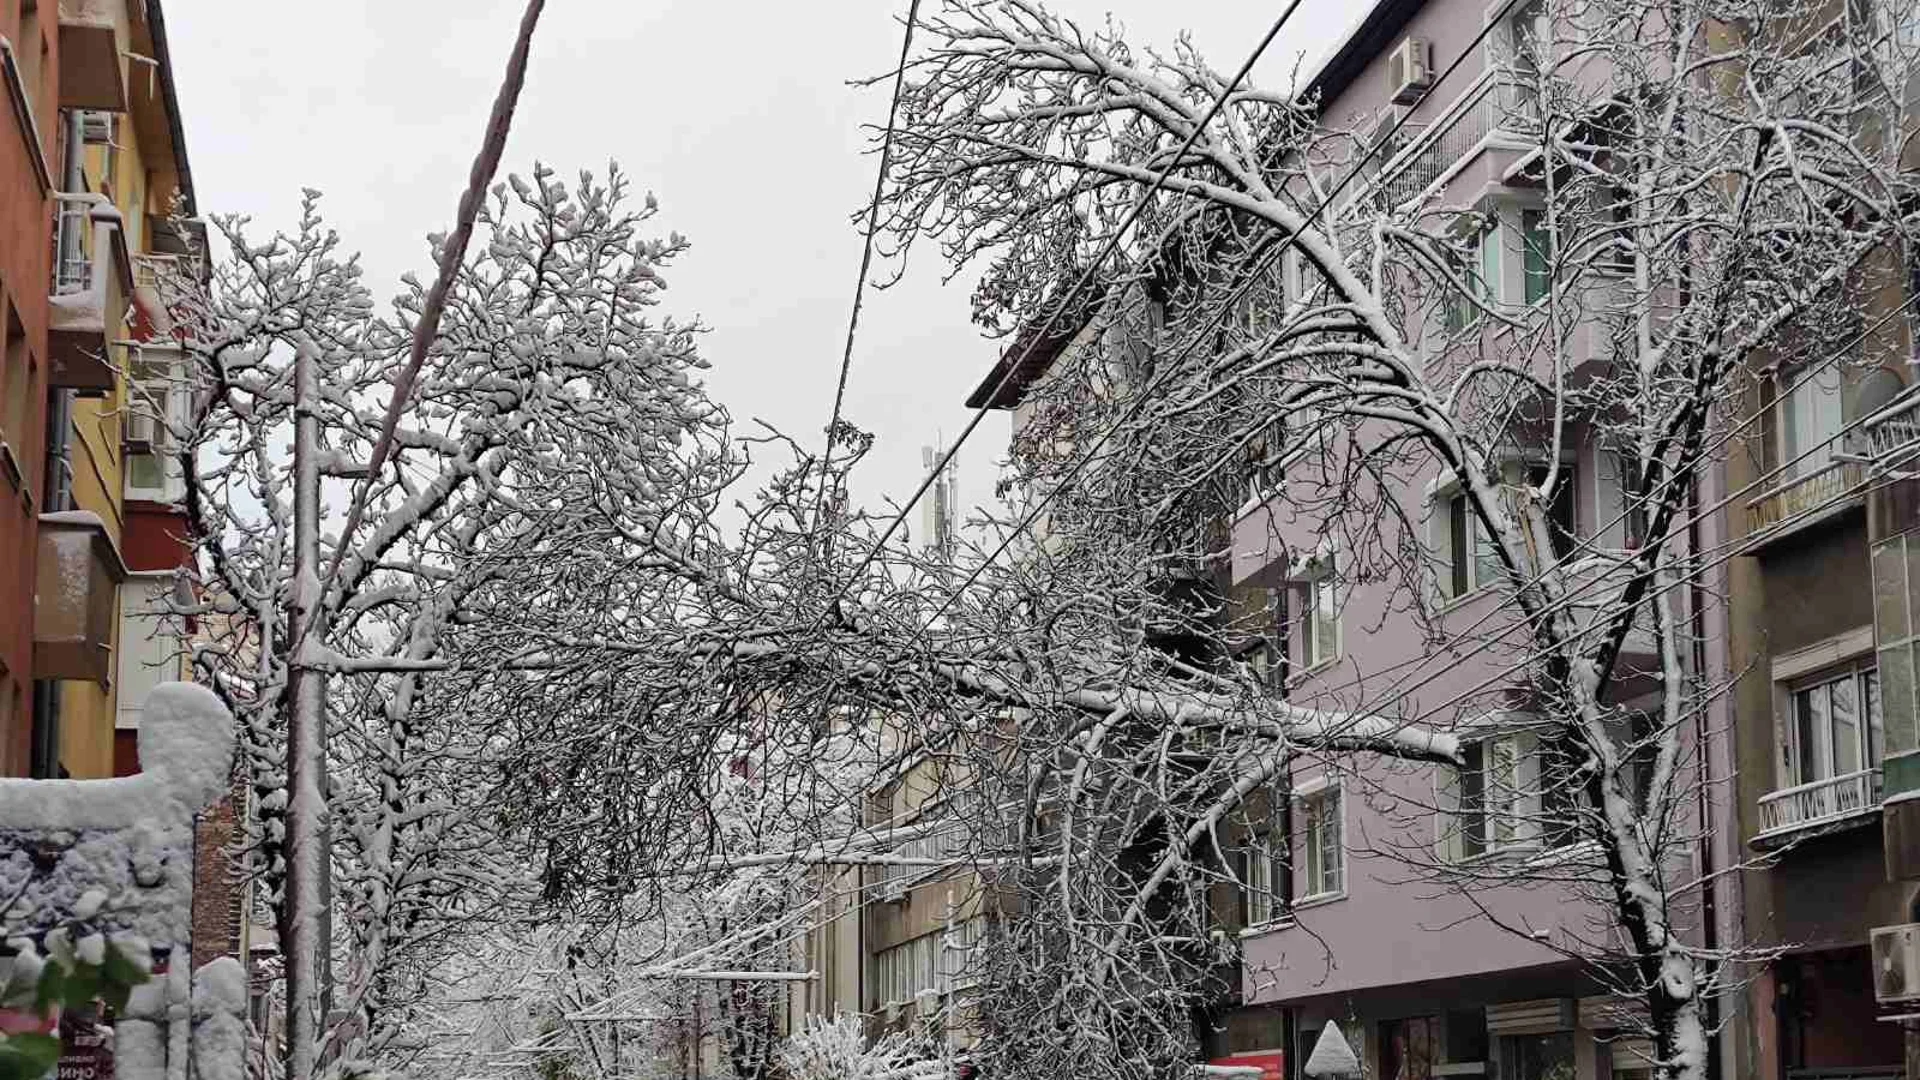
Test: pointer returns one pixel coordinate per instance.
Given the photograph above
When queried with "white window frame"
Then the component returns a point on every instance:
(151, 644)
(1314, 861)
(1262, 887)
(172, 406)
(1863, 673)
(1320, 585)
(1512, 823)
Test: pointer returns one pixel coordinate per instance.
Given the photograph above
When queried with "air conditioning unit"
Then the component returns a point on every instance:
(144, 432)
(1410, 70)
(1896, 963)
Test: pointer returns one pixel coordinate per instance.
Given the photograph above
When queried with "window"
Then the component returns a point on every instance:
(1537, 1057)
(1527, 35)
(16, 388)
(936, 963)
(1486, 800)
(1467, 556)
(1270, 661)
(1264, 452)
(1468, 559)
(1536, 257)
(149, 645)
(1477, 265)
(1809, 419)
(1320, 629)
(1320, 832)
(1409, 1048)
(156, 407)
(1836, 726)
(1265, 892)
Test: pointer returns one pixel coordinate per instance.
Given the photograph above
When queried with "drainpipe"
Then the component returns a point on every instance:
(44, 759)
(1710, 907)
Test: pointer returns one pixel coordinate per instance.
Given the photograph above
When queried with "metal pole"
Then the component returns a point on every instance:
(306, 900)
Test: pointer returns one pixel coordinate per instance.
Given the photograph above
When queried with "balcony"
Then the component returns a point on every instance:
(1822, 802)
(1495, 104)
(91, 74)
(1893, 433)
(1800, 501)
(76, 598)
(92, 286)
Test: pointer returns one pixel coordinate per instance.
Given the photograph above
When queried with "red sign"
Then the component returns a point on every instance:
(1272, 1066)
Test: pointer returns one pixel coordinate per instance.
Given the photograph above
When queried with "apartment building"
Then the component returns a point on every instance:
(99, 206)
(1827, 725)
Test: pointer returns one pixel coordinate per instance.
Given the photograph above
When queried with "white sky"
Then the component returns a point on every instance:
(737, 115)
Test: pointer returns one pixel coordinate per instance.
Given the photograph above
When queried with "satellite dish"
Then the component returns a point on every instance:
(1877, 391)
(1331, 1056)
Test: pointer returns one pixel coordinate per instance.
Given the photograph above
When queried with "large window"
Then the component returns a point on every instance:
(1525, 788)
(1321, 835)
(1809, 418)
(1836, 725)
(936, 963)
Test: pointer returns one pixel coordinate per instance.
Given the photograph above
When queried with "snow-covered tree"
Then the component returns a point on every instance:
(548, 386)
(1713, 185)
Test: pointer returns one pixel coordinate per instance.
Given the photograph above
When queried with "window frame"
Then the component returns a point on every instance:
(1320, 576)
(1314, 833)
(1791, 459)
(1869, 738)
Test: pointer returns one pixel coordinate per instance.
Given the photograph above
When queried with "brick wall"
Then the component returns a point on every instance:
(217, 888)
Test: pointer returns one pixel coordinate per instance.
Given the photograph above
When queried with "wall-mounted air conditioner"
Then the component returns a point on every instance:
(1410, 70)
(1896, 963)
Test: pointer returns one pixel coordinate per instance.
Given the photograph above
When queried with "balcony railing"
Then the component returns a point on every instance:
(1895, 431)
(1498, 102)
(1805, 494)
(1819, 802)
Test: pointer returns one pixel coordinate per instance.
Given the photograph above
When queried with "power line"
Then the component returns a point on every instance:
(1199, 336)
(1064, 304)
(866, 247)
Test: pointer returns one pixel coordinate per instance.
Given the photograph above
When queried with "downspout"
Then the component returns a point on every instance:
(44, 757)
(1709, 901)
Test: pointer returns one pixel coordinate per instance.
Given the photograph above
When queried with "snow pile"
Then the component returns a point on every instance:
(118, 853)
(219, 1020)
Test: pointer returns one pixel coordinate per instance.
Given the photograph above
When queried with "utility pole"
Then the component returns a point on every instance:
(306, 903)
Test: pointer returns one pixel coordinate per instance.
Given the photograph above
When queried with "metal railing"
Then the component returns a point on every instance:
(1895, 431)
(1820, 801)
(72, 239)
(1805, 494)
(150, 270)
(1498, 102)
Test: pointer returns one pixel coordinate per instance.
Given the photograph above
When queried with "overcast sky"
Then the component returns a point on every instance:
(737, 115)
